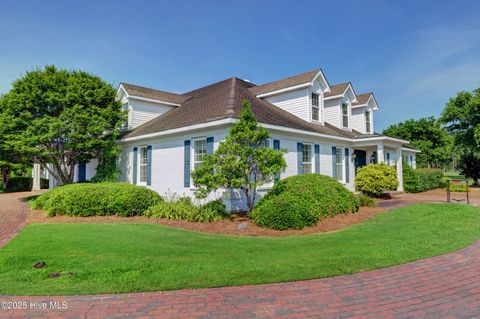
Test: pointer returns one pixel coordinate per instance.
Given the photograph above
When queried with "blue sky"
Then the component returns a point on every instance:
(413, 55)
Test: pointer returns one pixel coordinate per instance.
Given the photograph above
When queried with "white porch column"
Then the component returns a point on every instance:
(36, 173)
(380, 154)
(400, 169)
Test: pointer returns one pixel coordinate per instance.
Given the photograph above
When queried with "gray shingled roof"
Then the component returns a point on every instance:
(285, 83)
(224, 100)
(337, 89)
(362, 98)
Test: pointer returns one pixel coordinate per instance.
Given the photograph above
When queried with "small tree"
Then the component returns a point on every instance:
(242, 161)
(469, 165)
(61, 118)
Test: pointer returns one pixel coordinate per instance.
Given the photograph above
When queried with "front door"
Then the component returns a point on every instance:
(360, 159)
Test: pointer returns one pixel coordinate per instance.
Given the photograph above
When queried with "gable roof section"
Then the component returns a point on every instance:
(147, 93)
(223, 100)
(292, 81)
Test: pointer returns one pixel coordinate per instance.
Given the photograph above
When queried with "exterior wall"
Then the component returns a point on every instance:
(143, 111)
(413, 161)
(358, 120)
(296, 102)
(90, 171)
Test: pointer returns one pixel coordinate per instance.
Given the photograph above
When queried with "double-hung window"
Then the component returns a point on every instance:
(367, 121)
(199, 151)
(339, 163)
(143, 167)
(345, 115)
(315, 107)
(307, 158)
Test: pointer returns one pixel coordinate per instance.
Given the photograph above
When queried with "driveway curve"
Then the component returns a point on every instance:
(446, 286)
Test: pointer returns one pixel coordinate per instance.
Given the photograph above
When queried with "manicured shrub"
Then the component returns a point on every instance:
(184, 209)
(374, 179)
(100, 199)
(366, 201)
(459, 187)
(301, 201)
(421, 180)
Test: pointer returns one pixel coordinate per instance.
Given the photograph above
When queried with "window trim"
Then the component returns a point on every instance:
(340, 150)
(192, 156)
(140, 165)
(317, 107)
(344, 104)
(368, 121)
(312, 158)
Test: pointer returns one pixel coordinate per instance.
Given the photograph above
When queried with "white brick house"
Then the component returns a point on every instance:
(326, 129)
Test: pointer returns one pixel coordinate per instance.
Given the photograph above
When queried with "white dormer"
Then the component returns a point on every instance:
(362, 113)
(338, 105)
(301, 95)
(144, 104)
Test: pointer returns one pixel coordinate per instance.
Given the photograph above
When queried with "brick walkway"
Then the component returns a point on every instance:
(446, 286)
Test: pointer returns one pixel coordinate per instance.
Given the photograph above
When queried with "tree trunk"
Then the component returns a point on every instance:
(5, 177)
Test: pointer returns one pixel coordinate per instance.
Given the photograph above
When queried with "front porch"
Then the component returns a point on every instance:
(385, 150)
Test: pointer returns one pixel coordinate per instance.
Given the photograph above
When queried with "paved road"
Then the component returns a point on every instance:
(446, 286)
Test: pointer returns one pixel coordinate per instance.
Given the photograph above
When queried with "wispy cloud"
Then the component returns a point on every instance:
(437, 63)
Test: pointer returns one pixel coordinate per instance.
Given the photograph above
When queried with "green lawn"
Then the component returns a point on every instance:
(112, 258)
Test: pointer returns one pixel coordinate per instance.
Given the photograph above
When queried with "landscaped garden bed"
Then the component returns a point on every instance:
(113, 258)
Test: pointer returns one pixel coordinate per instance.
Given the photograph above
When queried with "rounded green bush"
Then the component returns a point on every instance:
(366, 201)
(301, 201)
(100, 199)
(374, 179)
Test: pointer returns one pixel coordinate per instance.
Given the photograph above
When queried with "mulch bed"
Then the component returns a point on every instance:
(238, 225)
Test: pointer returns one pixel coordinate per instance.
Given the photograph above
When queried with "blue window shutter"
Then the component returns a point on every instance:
(186, 171)
(210, 145)
(276, 146)
(135, 160)
(149, 165)
(317, 158)
(300, 158)
(334, 160)
(388, 158)
(347, 165)
(82, 172)
(411, 159)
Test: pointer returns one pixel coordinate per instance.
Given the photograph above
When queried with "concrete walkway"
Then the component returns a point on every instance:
(446, 286)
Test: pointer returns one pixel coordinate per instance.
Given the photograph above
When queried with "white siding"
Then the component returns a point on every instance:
(143, 111)
(358, 119)
(296, 102)
(332, 112)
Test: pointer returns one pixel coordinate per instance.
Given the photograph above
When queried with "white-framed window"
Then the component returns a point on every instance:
(368, 123)
(338, 165)
(143, 164)
(345, 114)
(199, 151)
(315, 107)
(307, 158)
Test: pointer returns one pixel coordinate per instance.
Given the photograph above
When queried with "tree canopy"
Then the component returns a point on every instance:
(60, 117)
(427, 135)
(242, 161)
(461, 117)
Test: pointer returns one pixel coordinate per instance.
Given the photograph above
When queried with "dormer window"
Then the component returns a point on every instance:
(367, 121)
(345, 115)
(315, 107)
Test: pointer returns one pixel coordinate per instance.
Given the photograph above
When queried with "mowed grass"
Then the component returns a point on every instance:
(114, 258)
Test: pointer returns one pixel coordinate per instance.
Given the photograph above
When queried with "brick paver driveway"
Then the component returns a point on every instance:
(446, 286)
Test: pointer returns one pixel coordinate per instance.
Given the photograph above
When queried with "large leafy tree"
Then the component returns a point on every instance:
(242, 161)
(461, 117)
(60, 117)
(426, 134)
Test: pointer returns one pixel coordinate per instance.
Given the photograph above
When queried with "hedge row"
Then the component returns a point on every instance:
(100, 199)
(421, 180)
(301, 201)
